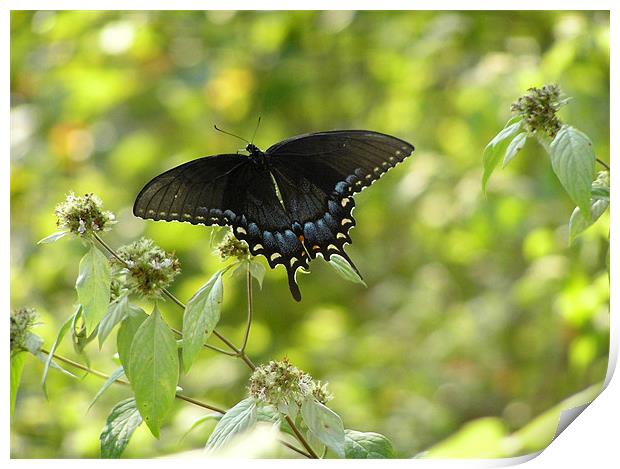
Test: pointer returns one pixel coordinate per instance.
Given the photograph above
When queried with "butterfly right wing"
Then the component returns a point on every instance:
(318, 173)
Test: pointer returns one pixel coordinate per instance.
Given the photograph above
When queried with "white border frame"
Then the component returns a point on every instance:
(591, 441)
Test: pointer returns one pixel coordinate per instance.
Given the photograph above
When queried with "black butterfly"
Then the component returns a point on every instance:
(288, 203)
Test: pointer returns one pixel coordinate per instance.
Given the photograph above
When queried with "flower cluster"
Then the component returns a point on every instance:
(601, 181)
(280, 383)
(22, 320)
(538, 108)
(82, 215)
(151, 268)
(232, 247)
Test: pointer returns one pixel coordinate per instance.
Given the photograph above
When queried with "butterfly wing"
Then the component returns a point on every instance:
(355, 158)
(194, 192)
(227, 190)
(318, 173)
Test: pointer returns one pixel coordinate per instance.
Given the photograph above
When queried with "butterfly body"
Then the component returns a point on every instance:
(290, 203)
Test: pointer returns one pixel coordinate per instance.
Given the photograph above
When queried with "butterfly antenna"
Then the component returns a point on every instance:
(230, 133)
(255, 130)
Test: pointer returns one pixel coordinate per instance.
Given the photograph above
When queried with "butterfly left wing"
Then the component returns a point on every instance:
(227, 190)
(317, 174)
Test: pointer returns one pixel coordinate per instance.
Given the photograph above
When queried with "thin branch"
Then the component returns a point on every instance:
(101, 375)
(295, 448)
(250, 311)
(602, 163)
(301, 438)
(211, 347)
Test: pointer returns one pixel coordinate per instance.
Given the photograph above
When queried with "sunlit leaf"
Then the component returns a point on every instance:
(119, 427)
(154, 365)
(257, 270)
(496, 148)
(268, 413)
(345, 270)
(117, 374)
(93, 287)
(514, 147)
(53, 237)
(216, 416)
(126, 333)
(325, 424)
(43, 358)
(573, 161)
(61, 334)
(202, 314)
(237, 420)
(78, 333)
(117, 311)
(367, 445)
(578, 223)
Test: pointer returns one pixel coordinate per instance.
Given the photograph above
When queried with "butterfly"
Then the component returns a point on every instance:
(289, 203)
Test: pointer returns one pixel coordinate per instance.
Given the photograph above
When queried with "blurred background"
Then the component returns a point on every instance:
(478, 316)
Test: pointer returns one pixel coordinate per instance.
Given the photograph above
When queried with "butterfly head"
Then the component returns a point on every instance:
(253, 150)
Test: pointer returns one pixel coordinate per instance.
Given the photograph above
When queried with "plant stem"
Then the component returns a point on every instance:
(295, 448)
(301, 438)
(211, 347)
(250, 311)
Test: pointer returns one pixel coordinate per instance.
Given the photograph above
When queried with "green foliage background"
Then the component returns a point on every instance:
(477, 313)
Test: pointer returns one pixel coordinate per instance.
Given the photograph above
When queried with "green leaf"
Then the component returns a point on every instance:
(344, 269)
(237, 420)
(257, 270)
(33, 343)
(154, 370)
(514, 147)
(202, 420)
(93, 287)
(325, 424)
(573, 161)
(53, 237)
(496, 148)
(126, 333)
(118, 373)
(268, 413)
(17, 366)
(367, 445)
(600, 193)
(202, 314)
(117, 311)
(43, 357)
(61, 334)
(578, 223)
(78, 334)
(119, 427)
